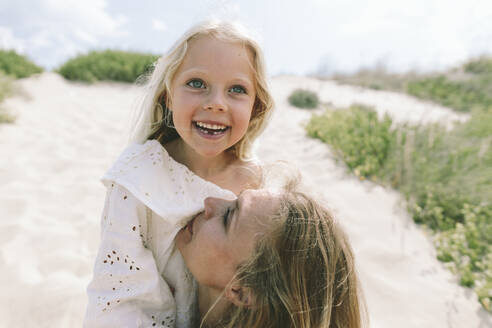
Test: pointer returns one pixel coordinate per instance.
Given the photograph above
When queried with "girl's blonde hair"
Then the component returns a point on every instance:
(153, 113)
(301, 273)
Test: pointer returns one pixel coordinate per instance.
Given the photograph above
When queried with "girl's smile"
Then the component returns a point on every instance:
(212, 95)
(211, 130)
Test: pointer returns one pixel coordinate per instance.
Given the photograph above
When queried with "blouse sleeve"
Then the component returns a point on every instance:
(127, 289)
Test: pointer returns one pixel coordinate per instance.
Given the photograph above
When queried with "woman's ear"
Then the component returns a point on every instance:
(238, 295)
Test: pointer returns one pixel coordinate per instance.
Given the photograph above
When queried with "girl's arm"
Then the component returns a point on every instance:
(127, 289)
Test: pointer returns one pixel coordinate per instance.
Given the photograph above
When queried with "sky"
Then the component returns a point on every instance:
(297, 37)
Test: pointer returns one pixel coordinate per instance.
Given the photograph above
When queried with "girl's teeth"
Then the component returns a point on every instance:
(210, 126)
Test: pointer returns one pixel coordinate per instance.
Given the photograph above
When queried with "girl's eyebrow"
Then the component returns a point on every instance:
(194, 70)
(243, 79)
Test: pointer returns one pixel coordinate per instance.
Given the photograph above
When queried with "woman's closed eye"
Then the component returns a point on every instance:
(225, 217)
(196, 84)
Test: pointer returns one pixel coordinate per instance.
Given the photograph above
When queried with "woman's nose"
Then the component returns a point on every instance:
(213, 206)
(210, 204)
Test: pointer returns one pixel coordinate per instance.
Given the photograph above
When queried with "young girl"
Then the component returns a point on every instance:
(276, 260)
(207, 101)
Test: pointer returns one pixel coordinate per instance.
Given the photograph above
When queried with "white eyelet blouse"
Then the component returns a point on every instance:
(140, 279)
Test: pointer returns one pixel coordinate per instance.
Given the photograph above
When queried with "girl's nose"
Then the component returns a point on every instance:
(216, 102)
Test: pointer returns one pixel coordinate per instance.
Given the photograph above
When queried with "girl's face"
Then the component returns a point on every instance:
(218, 239)
(212, 95)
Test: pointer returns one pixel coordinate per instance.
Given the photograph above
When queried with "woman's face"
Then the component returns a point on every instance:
(218, 239)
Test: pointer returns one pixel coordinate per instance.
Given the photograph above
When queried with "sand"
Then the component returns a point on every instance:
(66, 136)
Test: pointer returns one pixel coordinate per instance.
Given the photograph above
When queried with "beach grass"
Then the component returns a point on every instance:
(378, 78)
(445, 176)
(12, 66)
(5, 91)
(17, 66)
(464, 88)
(463, 96)
(107, 65)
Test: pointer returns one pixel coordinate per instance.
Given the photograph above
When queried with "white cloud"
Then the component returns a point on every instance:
(41, 39)
(298, 36)
(158, 25)
(9, 41)
(221, 9)
(422, 34)
(85, 36)
(89, 15)
(48, 30)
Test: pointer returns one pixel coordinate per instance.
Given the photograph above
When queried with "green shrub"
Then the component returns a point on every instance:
(467, 249)
(482, 65)
(460, 95)
(304, 99)
(357, 136)
(16, 65)
(478, 126)
(107, 65)
(446, 177)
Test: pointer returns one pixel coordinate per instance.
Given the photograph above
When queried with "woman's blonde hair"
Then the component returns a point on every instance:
(301, 273)
(153, 115)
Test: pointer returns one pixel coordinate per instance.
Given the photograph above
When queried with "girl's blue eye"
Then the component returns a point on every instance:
(197, 84)
(237, 89)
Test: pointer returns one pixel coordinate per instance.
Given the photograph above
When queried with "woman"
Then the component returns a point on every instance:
(271, 260)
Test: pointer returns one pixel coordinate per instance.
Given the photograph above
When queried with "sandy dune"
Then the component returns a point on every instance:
(67, 135)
